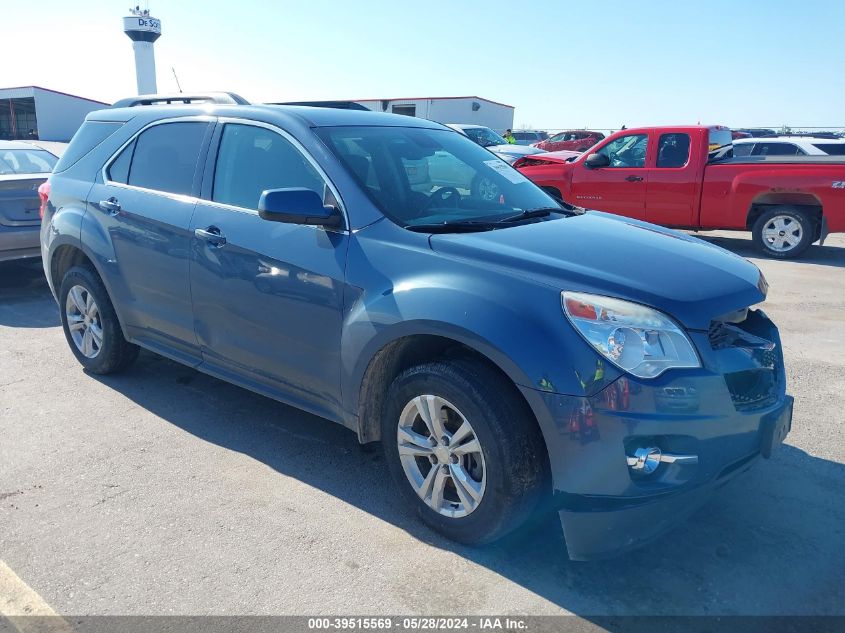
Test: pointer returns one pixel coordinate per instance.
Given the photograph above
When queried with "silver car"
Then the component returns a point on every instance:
(23, 168)
(486, 137)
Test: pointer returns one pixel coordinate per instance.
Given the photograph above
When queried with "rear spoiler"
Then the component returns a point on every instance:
(224, 98)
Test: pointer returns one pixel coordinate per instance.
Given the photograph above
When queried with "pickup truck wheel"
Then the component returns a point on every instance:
(463, 450)
(485, 188)
(784, 232)
(90, 323)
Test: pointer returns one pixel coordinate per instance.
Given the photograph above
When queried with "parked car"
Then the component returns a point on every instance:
(508, 360)
(686, 177)
(790, 146)
(488, 139)
(757, 132)
(23, 169)
(528, 137)
(572, 140)
(736, 134)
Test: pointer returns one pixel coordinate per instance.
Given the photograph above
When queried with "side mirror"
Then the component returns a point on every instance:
(596, 161)
(297, 205)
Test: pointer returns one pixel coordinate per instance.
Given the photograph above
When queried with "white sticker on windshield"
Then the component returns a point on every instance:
(506, 170)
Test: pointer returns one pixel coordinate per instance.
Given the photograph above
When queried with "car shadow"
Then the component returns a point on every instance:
(25, 297)
(820, 255)
(767, 543)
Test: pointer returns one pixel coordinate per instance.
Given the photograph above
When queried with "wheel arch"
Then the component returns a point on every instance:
(410, 348)
(69, 253)
(808, 202)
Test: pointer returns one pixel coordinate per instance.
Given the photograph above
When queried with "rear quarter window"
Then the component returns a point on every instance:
(89, 136)
(833, 149)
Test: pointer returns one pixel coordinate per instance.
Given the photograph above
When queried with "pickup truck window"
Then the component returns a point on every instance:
(626, 151)
(673, 150)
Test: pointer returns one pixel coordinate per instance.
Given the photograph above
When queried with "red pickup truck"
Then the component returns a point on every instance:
(687, 177)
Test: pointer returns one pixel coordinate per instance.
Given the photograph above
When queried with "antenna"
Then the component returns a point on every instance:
(178, 85)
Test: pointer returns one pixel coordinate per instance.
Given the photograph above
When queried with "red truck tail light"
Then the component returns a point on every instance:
(44, 195)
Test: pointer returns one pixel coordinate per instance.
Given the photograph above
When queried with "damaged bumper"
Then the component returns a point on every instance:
(640, 456)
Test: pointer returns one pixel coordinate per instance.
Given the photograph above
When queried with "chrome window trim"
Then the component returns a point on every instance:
(302, 150)
(201, 118)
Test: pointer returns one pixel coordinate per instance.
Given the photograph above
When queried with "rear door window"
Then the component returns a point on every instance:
(165, 157)
(776, 149)
(743, 149)
(673, 150)
(118, 171)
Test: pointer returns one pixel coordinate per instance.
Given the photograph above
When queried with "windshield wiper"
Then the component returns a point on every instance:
(540, 212)
(454, 226)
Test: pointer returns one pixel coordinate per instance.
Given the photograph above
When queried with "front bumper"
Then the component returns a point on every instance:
(728, 414)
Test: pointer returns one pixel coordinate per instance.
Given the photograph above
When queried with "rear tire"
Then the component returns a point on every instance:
(503, 482)
(90, 323)
(784, 232)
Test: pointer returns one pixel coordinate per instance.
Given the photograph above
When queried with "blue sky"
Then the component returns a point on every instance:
(561, 63)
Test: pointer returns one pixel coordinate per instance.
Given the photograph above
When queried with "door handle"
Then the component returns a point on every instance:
(212, 235)
(110, 206)
(634, 178)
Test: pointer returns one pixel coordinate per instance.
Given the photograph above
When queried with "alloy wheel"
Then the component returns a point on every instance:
(488, 190)
(782, 233)
(83, 321)
(441, 456)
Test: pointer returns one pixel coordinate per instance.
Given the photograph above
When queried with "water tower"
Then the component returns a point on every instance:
(143, 30)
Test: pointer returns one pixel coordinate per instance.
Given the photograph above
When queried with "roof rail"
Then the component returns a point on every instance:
(229, 98)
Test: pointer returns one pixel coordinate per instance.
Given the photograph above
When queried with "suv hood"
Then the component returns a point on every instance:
(514, 150)
(683, 276)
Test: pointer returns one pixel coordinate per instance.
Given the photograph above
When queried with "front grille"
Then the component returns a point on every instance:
(756, 385)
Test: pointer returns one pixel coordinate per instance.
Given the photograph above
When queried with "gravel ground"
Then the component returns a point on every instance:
(164, 491)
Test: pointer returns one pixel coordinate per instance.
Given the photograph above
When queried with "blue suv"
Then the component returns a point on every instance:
(513, 356)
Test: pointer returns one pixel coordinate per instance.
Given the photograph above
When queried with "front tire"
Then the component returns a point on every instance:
(784, 232)
(464, 449)
(90, 323)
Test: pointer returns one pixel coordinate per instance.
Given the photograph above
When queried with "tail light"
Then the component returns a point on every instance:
(44, 195)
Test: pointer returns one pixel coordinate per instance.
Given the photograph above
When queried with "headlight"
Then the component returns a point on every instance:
(637, 339)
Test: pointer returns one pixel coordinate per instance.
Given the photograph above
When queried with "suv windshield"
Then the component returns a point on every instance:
(484, 136)
(420, 176)
(26, 161)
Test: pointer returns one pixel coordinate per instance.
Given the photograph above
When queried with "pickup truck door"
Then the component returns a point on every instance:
(621, 186)
(674, 180)
(267, 296)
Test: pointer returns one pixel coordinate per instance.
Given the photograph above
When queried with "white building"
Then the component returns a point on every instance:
(474, 110)
(48, 115)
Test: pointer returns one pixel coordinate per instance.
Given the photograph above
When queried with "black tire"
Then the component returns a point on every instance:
(793, 216)
(116, 353)
(515, 456)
